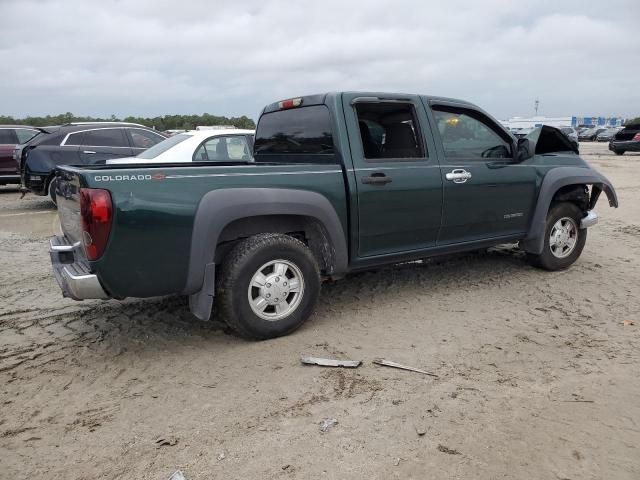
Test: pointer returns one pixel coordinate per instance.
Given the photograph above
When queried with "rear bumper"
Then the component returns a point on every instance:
(37, 183)
(72, 272)
(9, 179)
(626, 145)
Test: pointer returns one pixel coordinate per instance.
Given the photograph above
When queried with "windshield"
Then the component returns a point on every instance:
(567, 130)
(163, 146)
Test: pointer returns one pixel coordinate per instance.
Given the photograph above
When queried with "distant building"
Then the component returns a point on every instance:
(598, 121)
(532, 122)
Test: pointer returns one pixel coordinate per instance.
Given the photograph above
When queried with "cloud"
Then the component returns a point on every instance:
(152, 57)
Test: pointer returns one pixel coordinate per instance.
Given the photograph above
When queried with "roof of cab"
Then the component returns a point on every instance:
(319, 99)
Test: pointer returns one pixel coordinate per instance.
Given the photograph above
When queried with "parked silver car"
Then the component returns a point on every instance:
(571, 133)
(607, 135)
(590, 134)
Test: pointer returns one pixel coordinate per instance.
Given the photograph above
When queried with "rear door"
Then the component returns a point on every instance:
(101, 144)
(399, 188)
(486, 194)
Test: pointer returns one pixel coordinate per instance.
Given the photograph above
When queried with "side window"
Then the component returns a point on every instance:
(8, 136)
(104, 137)
(466, 134)
(389, 130)
(223, 149)
(143, 138)
(296, 135)
(74, 139)
(25, 134)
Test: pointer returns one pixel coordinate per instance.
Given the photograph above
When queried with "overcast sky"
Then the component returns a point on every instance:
(156, 57)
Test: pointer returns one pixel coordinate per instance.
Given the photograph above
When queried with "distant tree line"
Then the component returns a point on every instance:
(633, 121)
(166, 122)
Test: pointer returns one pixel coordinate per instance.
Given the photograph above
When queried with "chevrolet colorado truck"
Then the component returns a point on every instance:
(341, 182)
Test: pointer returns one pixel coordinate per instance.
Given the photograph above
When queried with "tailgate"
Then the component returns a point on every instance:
(68, 257)
(68, 199)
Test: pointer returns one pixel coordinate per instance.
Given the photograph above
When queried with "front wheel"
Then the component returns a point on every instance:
(619, 152)
(267, 286)
(563, 238)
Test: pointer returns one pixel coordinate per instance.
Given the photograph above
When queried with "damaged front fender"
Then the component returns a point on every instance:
(553, 181)
(597, 189)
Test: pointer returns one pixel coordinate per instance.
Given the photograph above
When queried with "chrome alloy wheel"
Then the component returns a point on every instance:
(563, 237)
(276, 290)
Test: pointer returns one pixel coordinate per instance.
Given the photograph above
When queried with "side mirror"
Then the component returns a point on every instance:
(524, 150)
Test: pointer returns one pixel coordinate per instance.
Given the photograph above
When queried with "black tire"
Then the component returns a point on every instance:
(51, 189)
(237, 271)
(619, 152)
(547, 260)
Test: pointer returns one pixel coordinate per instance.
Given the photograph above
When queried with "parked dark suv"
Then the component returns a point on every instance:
(626, 140)
(10, 136)
(80, 144)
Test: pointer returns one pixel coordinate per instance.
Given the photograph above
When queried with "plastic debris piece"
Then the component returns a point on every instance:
(627, 323)
(330, 362)
(177, 475)
(168, 441)
(447, 450)
(327, 423)
(389, 363)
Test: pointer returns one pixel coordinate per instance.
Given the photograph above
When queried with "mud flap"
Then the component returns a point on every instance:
(201, 303)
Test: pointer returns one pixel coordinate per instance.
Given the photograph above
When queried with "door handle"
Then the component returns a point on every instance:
(458, 175)
(88, 152)
(377, 178)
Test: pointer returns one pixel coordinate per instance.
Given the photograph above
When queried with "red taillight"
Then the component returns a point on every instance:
(96, 212)
(291, 103)
(637, 137)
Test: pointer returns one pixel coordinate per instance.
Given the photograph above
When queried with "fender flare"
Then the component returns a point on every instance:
(218, 208)
(554, 180)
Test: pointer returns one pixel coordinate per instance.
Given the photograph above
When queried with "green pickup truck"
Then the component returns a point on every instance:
(341, 182)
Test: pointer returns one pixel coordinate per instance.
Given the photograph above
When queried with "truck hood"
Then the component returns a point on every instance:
(550, 140)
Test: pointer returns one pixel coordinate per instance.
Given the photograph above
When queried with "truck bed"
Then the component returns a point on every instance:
(154, 207)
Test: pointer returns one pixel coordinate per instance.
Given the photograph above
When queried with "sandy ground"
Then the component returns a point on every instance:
(537, 375)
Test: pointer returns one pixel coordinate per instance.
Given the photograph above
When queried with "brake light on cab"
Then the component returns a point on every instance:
(96, 213)
(291, 103)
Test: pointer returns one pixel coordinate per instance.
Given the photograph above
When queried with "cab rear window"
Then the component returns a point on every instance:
(296, 135)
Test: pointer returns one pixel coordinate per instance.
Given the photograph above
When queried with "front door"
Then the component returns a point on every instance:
(399, 189)
(486, 194)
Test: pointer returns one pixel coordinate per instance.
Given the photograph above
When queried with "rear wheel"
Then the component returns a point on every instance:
(52, 191)
(619, 152)
(267, 286)
(563, 238)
